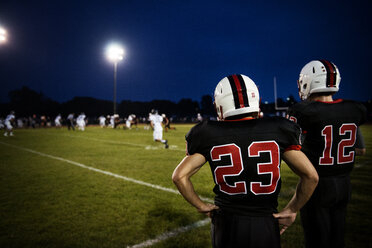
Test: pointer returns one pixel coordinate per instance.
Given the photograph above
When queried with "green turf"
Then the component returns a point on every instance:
(45, 202)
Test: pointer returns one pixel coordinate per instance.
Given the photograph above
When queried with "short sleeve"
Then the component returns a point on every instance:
(292, 133)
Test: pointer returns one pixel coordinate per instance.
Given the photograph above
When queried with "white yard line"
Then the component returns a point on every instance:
(147, 243)
(101, 171)
(171, 234)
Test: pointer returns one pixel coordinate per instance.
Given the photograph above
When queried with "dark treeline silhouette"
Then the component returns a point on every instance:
(27, 102)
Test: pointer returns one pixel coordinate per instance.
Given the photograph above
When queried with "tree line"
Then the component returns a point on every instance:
(27, 102)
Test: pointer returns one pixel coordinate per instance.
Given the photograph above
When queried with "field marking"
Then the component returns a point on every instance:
(171, 234)
(154, 186)
(147, 243)
(147, 147)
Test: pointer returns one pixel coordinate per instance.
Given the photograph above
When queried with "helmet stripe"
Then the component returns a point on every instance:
(244, 90)
(331, 73)
(239, 91)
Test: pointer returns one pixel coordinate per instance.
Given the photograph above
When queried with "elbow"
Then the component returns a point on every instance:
(176, 178)
(314, 179)
(311, 179)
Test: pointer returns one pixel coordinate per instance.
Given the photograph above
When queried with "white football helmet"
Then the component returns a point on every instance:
(235, 95)
(318, 76)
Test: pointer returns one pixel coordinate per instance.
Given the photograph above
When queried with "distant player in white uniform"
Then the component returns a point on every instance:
(112, 121)
(102, 121)
(80, 121)
(156, 121)
(128, 123)
(57, 121)
(199, 118)
(8, 124)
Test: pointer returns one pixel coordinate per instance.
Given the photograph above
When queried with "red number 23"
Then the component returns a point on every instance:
(236, 167)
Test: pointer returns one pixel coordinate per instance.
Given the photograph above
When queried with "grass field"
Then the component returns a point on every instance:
(113, 188)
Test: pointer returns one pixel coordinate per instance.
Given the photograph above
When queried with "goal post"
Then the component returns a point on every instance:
(276, 98)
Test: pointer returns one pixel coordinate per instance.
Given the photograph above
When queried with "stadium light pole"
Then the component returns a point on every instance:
(115, 53)
(3, 35)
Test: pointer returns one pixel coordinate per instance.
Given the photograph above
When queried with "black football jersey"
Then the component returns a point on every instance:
(244, 157)
(330, 130)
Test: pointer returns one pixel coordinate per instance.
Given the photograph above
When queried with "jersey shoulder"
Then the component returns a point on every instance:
(300, 107)
(197, 130)
(283, 126)
(357, 107)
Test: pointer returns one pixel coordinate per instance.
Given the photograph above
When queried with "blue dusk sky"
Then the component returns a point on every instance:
(180, 49)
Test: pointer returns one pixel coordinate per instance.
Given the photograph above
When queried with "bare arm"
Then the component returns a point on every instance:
(299, 164)
(181, 178)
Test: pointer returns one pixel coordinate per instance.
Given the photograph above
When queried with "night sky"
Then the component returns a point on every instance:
(180, 49)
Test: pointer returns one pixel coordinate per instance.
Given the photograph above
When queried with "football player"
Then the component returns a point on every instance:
(8, 124)
(80, 121)
(331, 128)
(70, 122)
(130, 121)
(156, 121)
(57, 121)
(102, 121)
(244, 153)
(166, 123)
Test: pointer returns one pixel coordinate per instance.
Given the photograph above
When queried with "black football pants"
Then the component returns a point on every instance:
(323, 217)
(237, 231)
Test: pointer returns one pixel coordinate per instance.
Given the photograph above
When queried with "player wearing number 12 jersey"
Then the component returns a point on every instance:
(330, 129)
(244, 154)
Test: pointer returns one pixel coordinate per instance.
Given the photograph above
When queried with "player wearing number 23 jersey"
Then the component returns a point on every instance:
(244, 157)
(244, 154)
(330, 130)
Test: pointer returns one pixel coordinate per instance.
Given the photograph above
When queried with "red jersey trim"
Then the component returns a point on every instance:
(242, 119)
(335, 101)
(293, 147)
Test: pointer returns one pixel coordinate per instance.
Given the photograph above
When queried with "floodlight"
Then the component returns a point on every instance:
(2, 35)
(115, 53)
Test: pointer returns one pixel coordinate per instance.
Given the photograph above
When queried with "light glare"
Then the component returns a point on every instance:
(115, 53)
(2, 35)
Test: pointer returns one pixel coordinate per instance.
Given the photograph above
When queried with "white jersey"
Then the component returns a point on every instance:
(128, 123)
(80, 118)
(9, 118)
(80, 121)
(156, 121)
(102, 120)
(57, 120)
(112, 121)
